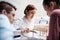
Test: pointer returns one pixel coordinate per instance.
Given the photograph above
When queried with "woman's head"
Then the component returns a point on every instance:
(50, 5)
(30, 10)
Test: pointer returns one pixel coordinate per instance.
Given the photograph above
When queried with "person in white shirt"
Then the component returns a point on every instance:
(25, 24)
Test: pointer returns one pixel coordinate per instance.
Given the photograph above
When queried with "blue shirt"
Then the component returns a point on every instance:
(5, 28)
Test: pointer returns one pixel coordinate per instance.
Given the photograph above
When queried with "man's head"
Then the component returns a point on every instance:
(50, 5)
(30, 10)
(7, 9)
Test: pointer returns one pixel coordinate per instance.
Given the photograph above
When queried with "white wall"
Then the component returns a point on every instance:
(21, 4)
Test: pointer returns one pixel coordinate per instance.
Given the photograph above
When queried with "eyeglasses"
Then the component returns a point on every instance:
(13, 15)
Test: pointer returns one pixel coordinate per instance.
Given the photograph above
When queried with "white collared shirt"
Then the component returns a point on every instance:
(23, 23)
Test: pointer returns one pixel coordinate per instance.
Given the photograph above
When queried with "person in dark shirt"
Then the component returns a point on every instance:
(52, 7)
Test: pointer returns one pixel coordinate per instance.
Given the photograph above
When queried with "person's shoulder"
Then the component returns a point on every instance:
(3, 17)
(56, 12)
(17, 21)
(4, 21)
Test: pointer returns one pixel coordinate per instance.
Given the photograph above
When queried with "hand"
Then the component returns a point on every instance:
(25, 31)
